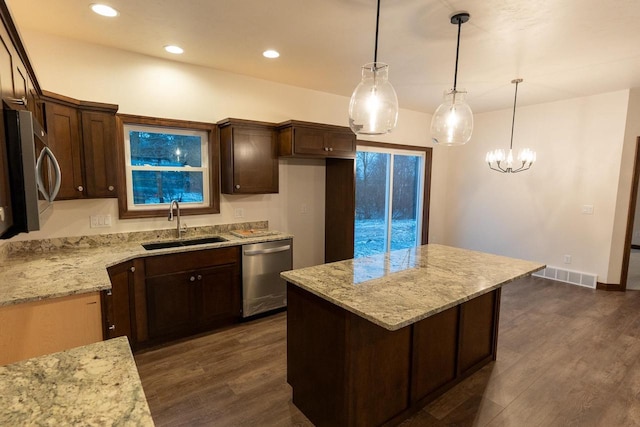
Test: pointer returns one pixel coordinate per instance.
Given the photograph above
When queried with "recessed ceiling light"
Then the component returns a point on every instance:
(104, 10)
(174, 49)
(270, 53)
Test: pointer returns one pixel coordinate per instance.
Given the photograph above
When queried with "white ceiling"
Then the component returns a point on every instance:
(561, 48)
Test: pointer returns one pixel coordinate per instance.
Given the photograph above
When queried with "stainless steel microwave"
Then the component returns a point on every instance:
(34, 173)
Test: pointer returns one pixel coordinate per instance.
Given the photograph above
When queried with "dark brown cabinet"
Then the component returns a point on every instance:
(82, 135)
(305, 139)
(17, 84)
(118, 303)
(192, 292)
(248, 157)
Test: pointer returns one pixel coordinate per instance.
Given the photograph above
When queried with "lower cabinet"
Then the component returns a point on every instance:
(43, 327)
(160, 298)
(188, 302)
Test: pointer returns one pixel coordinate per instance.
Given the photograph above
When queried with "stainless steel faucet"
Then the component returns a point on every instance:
(179, 230)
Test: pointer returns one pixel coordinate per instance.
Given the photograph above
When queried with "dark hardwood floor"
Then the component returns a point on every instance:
(567, 356)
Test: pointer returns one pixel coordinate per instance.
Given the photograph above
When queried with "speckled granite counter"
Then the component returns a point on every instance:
(36, 270)
(94, 385)
(405, 286)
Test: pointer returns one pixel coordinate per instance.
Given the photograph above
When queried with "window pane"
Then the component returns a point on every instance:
(165, 149)
(371, 203)
(404, 216)
(153, 187)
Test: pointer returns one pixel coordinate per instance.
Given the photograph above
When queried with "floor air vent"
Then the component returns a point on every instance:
(574, 277)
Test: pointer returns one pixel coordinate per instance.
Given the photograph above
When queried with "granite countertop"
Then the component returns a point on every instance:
(94, 385)
(39, 270)
(397, 289)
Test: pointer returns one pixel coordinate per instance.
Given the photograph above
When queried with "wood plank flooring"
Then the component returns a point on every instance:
(567, 356)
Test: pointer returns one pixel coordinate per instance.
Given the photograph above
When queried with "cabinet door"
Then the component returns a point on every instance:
(117, 302)
(341, 144)
(98, 140)
(220, 296)
(169, 304)
(255, 161)
(309, 142)
(63, 129)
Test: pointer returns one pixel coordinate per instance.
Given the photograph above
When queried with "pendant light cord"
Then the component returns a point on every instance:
(513, 119)
(375, 51)
(455, 74)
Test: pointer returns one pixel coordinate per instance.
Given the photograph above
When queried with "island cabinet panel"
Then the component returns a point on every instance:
(344, 370)
(248, 156)
(190, 292)
(435, 347)
(306, 139)
(347, 371)
(478, 331)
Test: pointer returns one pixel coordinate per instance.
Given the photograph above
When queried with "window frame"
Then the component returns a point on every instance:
(426, 190)
(124, 177)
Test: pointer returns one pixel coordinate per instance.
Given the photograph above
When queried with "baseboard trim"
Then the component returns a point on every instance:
(609, 286)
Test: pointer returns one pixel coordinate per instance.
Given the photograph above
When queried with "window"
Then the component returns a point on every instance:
(167, 160)
(391, 191)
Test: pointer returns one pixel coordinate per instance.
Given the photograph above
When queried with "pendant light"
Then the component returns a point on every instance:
(452, 123)
(373, 109)
(499, 162)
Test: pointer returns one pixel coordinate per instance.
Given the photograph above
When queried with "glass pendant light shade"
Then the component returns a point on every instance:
(452, 123)
(373, 109)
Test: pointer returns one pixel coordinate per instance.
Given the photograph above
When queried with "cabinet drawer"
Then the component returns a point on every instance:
(173, 263)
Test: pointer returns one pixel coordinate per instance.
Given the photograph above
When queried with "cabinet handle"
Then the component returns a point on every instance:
(80, 188)
(133, 269)
(112, 327)
(111, 188)
(192, 278)
(330, 148)
(326, 148)
(109, 293)
(237, 186)
(199, 276)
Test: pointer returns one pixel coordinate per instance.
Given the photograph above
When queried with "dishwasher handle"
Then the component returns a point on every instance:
(267, 251)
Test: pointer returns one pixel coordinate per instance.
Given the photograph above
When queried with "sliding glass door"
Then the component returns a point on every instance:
(389, 199)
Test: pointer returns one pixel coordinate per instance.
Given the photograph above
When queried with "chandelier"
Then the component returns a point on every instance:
(500, 161)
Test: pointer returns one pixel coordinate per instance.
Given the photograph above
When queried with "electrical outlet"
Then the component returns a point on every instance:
(238, 212)
(567, 259)
(304, 209)
(587, 210)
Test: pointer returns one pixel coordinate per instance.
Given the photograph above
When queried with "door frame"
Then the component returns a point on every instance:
(624, 274)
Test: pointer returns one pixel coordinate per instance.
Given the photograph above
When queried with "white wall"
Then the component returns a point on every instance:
(536, 214)
(149, 86)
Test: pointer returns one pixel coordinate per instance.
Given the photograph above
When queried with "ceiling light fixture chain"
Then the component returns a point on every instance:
(452, 123)
(373, 109)
(502, 162)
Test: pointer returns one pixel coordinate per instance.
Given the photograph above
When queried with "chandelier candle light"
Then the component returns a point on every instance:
(452, 123)
(373, 109)
(499, 162)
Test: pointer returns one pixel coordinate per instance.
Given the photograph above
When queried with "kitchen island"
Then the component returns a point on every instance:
(371, 340)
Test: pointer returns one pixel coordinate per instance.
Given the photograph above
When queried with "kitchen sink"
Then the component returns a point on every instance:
(180, 243)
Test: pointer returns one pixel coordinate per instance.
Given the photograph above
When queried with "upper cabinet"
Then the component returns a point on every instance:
(248, 157)
(304, 139)
(82, 135)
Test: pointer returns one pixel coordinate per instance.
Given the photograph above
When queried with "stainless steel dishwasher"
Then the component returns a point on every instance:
(262, 288)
